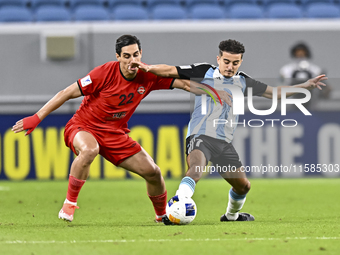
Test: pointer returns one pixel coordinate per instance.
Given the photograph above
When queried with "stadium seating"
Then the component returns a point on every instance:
(168, 12)
(68, 10)
(130, 12)
(229, 3)
(154, 3)
(267, 3)
(91, 13)
(37, 3)
(284, 11)
(114, 3)
(21, 3)
(322, 10)
(205, 11)
(192, 3)
(52, 13)
(15, 14)
(246, 11)
(307, 2)
(77, 3)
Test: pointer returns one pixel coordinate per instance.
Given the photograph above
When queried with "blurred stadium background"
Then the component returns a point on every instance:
(45, 45)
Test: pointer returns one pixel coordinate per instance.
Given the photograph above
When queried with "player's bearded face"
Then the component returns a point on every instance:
(128, 54)
(229, 63)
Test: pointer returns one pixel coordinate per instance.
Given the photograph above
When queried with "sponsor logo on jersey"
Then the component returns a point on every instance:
(119, 115)
(141, 90)
(86, 81)
(116, 116)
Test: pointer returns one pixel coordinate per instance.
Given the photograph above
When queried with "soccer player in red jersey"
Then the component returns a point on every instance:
(111, 93)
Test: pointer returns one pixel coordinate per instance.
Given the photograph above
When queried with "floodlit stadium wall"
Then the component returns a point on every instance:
(30, 77)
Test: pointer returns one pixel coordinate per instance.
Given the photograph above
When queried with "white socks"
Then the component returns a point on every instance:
(186, 187)
(235, 204)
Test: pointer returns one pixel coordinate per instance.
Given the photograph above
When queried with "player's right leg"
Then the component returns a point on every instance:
(86, 148)
(199, 151)
(196, 161)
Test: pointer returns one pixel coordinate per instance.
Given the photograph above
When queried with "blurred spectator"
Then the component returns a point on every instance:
(300, 70)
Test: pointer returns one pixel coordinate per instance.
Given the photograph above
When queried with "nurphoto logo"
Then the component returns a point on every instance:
(238, 106)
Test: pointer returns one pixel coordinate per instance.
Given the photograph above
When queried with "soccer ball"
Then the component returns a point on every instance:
(181, 211)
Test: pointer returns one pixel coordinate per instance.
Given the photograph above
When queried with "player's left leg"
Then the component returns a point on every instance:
(237, 196)
(229, 166)
(142, 164)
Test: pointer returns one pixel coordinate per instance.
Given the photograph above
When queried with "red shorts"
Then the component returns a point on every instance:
(115, 147)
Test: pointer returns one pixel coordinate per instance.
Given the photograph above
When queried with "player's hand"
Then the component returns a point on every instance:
(139, 65)
(316, 82)
(225, 97)
(28, 123)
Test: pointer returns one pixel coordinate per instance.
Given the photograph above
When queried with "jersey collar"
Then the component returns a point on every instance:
(219, 76)
(125, 77)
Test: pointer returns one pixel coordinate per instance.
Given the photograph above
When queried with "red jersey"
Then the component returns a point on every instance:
(110, 99)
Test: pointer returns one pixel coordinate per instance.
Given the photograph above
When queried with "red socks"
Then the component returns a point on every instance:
(159, 203)
(74, 187)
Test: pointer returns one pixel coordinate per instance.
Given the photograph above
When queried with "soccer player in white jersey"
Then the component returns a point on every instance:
(205, 143)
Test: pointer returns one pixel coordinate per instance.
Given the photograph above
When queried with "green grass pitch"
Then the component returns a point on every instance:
(292, 216)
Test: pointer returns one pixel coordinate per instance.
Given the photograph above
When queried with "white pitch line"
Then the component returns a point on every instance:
(4, 188)
(170, 240)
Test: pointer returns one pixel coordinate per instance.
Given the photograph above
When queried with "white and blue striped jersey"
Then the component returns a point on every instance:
(216, 121)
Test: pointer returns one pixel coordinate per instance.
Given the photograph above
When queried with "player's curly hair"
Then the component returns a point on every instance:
(231, 46)
(126, 40)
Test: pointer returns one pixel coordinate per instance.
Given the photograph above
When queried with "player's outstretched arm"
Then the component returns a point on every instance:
(159, 70)
(313, 83)
(200, 89)
(31, 122)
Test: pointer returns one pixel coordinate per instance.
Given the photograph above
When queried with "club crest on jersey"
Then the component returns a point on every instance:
(86, 81)
(141, 90)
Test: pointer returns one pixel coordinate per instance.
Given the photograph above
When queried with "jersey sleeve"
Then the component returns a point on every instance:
(95, 80)
(162, 83)
(258, 87)
(193, 71)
